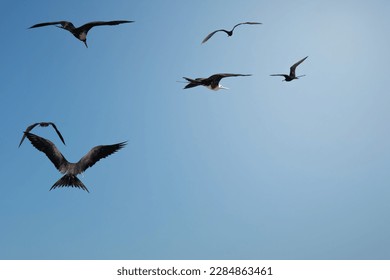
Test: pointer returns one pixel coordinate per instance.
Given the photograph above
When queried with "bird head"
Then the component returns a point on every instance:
(84, 40)
(221, 87)
(217, 87)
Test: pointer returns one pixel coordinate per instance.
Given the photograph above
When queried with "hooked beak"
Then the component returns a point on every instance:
(85, 42)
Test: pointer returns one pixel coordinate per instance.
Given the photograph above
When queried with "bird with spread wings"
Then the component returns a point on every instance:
(292, 75)
(42, 124)
(211, 82)
(82, 31)
(228, 32)
(71, 170)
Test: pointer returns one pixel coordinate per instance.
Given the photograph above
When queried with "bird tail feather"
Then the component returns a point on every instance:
(192, 83)
(69, 181)
(190, 80)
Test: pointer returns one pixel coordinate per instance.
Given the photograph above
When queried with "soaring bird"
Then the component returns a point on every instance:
(292, 75)
(229, 33)
(42, 124)
(211, 82)
(80, 32)
(71, 169)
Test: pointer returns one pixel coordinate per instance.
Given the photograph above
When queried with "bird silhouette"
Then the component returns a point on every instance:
(42, 124)
(82, 31)
(71, 170)
(292, 75)
(229, 33)
(211, 82)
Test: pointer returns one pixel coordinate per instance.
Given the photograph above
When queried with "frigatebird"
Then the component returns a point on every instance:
(42, 124)
(211, 82)
(229, 33)
(80, 32)
(292, 75)
(71, 170)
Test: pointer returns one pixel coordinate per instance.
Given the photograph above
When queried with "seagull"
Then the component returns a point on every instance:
(71, 169)
(211, 82)
(229, 33)
(80, 32)
(292, 75)
(42, 124)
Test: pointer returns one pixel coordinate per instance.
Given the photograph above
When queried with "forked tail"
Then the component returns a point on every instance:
(69, 181)
(192, 83)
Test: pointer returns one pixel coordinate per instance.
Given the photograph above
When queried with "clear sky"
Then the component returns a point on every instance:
(264, 170)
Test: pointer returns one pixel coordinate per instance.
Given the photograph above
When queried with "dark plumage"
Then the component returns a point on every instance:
(82, 31)
(71, 170)
(42, 124)
(229, 33)
(292, 75)
(211, 82)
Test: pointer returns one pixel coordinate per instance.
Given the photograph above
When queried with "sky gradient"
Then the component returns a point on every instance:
(264, 170)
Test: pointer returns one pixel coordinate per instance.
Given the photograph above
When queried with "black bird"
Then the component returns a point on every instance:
(42, 124)
(211, 82)
(229, 33)
(292, 75)
(71, 169)
(80, 32)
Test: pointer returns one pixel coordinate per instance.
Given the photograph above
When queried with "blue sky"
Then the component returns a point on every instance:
(264, 170)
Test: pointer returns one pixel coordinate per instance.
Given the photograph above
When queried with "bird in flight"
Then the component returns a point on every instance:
(42, 124)
(80, 32)
(71, 170)
(292, 75)
(211, 82)
(229, 33)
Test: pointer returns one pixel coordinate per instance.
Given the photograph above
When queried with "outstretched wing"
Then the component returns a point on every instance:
(96, 154)
(212, 34)
(28, 129)
(292, 68)
(51, 151)
(89, 25)
(224, 75)
(63, 22)
(214, 80)
(58, 132)
(247, 22)
(218, 77)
